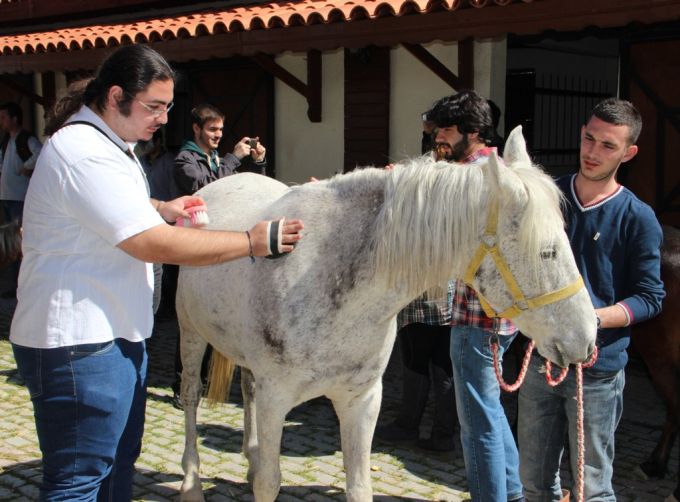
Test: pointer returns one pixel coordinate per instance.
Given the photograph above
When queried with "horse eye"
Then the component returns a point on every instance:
(548, 254)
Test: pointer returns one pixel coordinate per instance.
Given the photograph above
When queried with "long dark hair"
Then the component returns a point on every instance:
(132, 68)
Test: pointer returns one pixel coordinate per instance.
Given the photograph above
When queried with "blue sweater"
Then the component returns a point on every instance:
(616, 243)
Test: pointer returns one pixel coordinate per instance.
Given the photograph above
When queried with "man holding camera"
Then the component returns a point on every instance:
(197, 164)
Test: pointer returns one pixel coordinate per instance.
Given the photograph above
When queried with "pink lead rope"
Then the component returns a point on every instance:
(552, 382)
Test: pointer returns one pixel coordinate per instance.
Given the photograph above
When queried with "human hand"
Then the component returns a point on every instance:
(290, 234)
(242, 148)
(177, 208)
(259, 151)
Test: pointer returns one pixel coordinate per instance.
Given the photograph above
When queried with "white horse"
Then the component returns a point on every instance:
(322, 320)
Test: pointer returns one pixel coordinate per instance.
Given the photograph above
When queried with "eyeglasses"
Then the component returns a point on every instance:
(156, 110)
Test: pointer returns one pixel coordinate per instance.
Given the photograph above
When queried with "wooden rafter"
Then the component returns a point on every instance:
(466, 70)
(311, 91)
(8, 82)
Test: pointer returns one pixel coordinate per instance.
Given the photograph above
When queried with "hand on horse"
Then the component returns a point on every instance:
(289, 233)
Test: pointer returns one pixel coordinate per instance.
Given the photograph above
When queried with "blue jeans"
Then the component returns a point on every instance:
(489, 450)
(547, 414)
(89, 402)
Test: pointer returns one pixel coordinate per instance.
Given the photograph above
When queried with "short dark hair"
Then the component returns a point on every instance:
(13, 110)
(205, 113)
(468, 111)
(620, 112)
(132, 67)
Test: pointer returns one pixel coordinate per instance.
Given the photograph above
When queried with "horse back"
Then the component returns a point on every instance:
(292, 311)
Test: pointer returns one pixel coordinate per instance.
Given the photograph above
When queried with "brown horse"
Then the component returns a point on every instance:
(658, 342)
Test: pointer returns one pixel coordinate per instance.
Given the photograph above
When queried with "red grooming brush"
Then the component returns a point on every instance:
(198, 216)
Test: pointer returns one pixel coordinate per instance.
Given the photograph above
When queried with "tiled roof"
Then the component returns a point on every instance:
(243, 18)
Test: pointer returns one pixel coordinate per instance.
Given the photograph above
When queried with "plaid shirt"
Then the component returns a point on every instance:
(422, 310)
(466, 309)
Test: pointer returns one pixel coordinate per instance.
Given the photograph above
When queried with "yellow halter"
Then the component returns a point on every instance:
(489, 245)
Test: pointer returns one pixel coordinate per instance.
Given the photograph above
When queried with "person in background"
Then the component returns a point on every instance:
(465, 131)
(19, 150)
(616, 240)
(197, 164)
(158, 164)
(424, 335)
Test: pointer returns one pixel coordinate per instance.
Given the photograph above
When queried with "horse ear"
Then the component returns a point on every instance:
(516, 148)
(493, 169)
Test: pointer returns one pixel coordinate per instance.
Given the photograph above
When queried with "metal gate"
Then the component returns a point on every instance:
(551, 109)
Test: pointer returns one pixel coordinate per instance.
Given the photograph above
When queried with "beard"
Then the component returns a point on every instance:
(453, 153)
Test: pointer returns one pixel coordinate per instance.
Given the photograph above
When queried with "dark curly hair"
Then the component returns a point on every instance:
(468, 111)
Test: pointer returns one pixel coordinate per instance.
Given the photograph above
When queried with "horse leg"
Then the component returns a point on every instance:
(192, 349)
(358, 416)
(666, 382)
(249, 423)
(272, 406)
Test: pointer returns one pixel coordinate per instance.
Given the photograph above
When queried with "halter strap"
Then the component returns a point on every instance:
(489, 245)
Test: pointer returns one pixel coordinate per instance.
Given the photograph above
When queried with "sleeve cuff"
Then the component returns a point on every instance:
(627, 312)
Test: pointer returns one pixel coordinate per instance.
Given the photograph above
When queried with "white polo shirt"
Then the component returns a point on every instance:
(75, 286)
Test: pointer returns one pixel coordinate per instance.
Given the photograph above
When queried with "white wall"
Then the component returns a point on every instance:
(414, 88)
(303, 148)
(490, 68)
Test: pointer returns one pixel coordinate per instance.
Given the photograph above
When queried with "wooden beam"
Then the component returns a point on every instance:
(434, 65)
(268, 64)
(311, 91)
(5, 80)
(314, 85)
(49, 89)
(466, 63)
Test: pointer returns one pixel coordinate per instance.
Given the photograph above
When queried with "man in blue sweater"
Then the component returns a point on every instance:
(616, 240)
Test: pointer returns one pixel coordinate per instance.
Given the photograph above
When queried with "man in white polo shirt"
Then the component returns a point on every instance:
(85, 287)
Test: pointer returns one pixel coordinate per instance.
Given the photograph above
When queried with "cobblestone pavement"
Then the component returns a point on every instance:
(311, 461)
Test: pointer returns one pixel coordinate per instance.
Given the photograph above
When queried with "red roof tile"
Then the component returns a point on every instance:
(243, 18)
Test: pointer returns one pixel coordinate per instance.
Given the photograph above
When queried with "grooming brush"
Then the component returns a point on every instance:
(198, 217)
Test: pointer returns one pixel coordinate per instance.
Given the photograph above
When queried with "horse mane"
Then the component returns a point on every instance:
(425, 198)
(542, 221)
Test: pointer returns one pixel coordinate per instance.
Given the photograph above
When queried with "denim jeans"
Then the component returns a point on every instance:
(547, 414)
(489, 450)
(89, 402)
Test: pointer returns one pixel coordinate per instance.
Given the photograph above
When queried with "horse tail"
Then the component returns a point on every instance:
(219, 378)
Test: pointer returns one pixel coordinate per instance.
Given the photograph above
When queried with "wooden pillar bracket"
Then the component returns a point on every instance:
(311, 91)
(465, 77)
